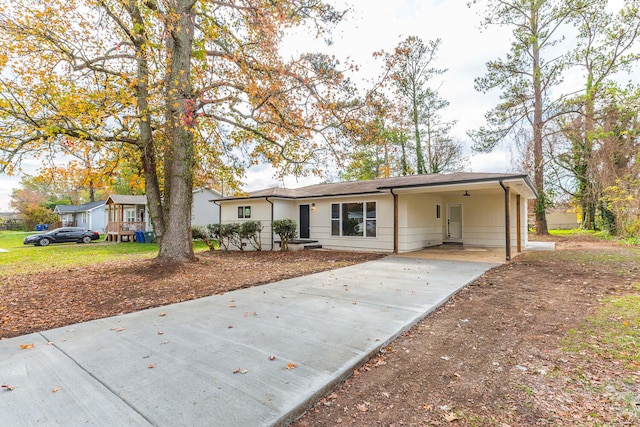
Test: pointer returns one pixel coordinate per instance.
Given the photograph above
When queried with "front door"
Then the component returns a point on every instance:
(304, 221)
(454, 222)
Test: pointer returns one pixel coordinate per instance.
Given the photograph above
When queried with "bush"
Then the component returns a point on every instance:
(234, 234)
(206, 235)
(250, 230)
(287, 230)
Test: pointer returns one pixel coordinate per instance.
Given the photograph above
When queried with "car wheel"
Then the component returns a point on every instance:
(86, 239)
(44, 242)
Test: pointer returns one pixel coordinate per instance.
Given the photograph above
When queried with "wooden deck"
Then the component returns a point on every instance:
(122, 231)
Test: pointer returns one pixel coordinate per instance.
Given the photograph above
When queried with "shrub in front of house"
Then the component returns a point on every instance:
(206, 235)
(250, 231)
(225, 236)
(287, 230)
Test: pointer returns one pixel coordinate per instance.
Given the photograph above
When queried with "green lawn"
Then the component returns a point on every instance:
(22, 258)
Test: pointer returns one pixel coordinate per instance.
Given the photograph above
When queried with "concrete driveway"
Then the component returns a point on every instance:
(252, 357)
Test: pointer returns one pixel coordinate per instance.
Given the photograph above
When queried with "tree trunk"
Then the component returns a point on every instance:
(538, 158)
(590, 196)
(177, 244)
(420, 158)
(145, 140)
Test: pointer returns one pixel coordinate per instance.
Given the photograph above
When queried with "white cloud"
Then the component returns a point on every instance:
(7, 184)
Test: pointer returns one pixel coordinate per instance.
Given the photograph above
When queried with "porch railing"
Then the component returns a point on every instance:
(120, 227)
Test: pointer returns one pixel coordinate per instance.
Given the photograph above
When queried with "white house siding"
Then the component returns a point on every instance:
(480, 224)
(96, 219)
(418, 226)
(260, 211)
(204, 212)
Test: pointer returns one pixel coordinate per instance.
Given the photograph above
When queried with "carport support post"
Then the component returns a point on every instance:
(395, 221)
(518, 223)
(507, 220)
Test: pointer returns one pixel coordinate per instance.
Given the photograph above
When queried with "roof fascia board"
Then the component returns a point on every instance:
(457, 182)
(319, 196)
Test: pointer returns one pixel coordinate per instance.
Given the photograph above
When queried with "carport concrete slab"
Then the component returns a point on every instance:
(257, 356)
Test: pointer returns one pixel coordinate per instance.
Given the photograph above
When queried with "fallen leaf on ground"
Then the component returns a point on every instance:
(118, 329)
(272, 357)
(163, 314)
(160, 332)
(7, 387)
(240, 371)
(27, 346)
(291, 366)
(451, 417)
(56, 389)
(362, 407)
(151, 366)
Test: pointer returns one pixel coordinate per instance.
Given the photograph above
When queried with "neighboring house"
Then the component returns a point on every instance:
(125, 215)
(204, 210)
(10, 220)
(562, 218)
(89, 215)
(399, 214)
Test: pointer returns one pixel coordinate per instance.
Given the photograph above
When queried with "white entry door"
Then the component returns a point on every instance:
(454, 222)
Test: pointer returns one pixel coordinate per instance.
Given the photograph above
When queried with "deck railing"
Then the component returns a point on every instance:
(119, 227)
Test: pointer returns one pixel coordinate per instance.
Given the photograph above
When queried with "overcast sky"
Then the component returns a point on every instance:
(374, 25)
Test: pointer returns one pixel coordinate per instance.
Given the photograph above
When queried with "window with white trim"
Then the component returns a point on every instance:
(130, 215)
(244, 211)
(354, 219)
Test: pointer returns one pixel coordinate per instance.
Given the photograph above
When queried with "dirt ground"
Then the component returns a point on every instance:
(491, 356)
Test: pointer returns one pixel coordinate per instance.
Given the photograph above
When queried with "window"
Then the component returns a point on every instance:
(84, 217)
(437, 211)
(244, 211)
(354, 219)
(130, 215)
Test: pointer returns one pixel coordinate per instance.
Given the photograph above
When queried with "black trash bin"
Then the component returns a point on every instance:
(149, 237)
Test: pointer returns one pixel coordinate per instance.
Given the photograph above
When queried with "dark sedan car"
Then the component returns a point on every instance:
(62, 235)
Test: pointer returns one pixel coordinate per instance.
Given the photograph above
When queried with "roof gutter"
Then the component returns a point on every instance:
(507, 220)
(306, 196)
(271, 225)
(460, 181)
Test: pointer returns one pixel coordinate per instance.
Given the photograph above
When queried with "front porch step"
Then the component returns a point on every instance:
(313, 246)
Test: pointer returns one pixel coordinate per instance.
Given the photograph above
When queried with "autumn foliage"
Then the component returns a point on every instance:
(191, 89)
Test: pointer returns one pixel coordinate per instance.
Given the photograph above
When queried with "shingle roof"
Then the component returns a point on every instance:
(378, 185)
(79, 208)
(127, 199)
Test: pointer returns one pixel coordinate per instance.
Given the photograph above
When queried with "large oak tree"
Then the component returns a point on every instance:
(181, 81)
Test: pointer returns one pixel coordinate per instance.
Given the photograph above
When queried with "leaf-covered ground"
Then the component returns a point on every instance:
(35, 302)
(550, 339)
(524, 345)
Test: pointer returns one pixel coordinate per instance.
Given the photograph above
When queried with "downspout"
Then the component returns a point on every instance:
(215, 202)
(271, 225)
(395, 221)
(507, 222)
